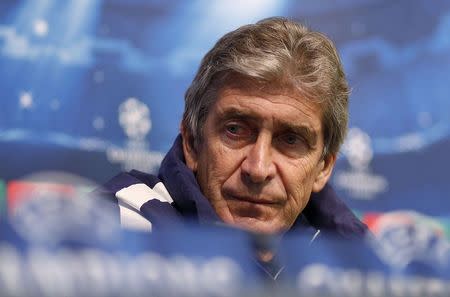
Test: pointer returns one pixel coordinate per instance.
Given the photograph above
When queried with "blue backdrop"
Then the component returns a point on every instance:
(93, 87)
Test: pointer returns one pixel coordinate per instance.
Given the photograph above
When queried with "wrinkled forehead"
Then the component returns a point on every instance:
(280, 86)
(274, 85)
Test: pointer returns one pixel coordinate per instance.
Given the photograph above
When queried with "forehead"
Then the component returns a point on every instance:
(284, 106)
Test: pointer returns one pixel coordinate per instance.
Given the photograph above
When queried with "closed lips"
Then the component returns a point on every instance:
(254, 199)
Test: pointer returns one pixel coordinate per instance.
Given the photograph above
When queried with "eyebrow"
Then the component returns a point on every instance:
(309, 134)
(234, 113)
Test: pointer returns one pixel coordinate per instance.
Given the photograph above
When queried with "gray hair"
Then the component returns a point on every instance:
(278, 52)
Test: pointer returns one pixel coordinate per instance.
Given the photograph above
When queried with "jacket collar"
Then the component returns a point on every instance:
(182, 185)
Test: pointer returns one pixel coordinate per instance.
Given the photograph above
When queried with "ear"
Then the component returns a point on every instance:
(190, 154)
(325, 168)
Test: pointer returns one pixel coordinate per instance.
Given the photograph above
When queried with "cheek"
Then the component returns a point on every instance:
(298, 181)
(216, 165)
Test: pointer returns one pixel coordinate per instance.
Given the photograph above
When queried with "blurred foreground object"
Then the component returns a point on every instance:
(63, 243)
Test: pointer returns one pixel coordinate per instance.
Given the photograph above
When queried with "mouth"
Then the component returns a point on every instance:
(261, 200)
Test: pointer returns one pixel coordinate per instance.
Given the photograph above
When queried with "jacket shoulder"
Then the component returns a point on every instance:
(141, 198)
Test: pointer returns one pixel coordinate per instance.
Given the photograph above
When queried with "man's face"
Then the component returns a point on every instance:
(260, 157)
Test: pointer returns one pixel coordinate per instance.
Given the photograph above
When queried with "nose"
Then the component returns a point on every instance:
(258, 165)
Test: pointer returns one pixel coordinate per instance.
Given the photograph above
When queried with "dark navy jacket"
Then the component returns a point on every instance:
(174, 197)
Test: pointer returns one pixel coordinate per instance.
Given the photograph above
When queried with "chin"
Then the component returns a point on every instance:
(258, 226)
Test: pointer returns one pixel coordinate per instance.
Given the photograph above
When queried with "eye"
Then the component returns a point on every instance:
(292, 144)
(233, 128)
(237, 128)
(291, 139)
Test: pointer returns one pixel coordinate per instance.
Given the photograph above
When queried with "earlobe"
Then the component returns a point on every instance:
(190, 154)
(325, 170)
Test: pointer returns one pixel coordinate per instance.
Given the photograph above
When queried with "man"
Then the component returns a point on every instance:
(264, 119)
